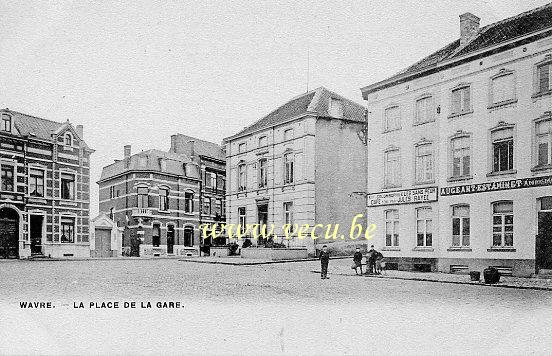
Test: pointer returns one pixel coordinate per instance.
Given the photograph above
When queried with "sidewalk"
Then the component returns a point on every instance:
(343, 268)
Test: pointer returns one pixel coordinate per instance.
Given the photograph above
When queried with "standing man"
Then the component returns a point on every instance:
(324, 260)
(371, 260)
(357, 259)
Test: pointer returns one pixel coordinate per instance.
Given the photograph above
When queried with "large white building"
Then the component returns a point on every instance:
(298, 165)
(460, 152)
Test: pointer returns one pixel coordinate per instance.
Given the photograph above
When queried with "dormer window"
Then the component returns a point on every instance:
(68, 140)
(6, 123)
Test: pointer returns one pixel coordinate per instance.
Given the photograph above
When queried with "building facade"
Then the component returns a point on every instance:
(460, 160)
(45, 187)
(298, 165)
(159, 198)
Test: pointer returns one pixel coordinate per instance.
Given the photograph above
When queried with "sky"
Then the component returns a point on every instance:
(135, 72)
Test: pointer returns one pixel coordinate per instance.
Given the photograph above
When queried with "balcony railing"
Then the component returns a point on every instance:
(141, 212)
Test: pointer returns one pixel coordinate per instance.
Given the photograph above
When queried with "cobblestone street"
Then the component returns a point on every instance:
(274, 309)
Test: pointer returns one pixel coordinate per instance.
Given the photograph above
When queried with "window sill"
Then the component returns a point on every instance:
(423, 122)
(387, 187)
(68, 202)
(541, 94)
(263, 152)
(501, 104)
(456, 179)
(501, 249)
(393, 130)
(459, 248)
(451, 116)
(423, 248)
(502, 173)
(390, 248)
(425, 182)
(166, 212)
(544, 167)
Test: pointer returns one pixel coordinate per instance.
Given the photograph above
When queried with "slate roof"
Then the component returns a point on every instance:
(315, 101)
(491, 35)
(34, 126)
(174, 163)
(202, 147)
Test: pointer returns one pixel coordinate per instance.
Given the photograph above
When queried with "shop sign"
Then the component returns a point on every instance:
(420, 195)
(496, 186)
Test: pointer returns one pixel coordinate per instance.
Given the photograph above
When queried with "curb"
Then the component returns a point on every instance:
(255, 263)
(548, 289)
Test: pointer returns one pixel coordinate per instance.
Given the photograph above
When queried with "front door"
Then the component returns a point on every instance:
(103, 243)
(543, 248)
(9, 233)
(36, 234)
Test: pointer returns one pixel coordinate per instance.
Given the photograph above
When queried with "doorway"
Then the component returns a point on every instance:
(543, 248)
(103, 243)
(170, 239)
(9, 233)
(262, 214)
(36, 222)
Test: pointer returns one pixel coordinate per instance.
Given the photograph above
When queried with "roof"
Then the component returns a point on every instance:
(315, 102)
(488, 36)
(149, 160)
(181, 144)
(34, 126)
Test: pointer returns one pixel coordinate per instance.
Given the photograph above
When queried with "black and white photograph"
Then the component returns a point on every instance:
(276, 177)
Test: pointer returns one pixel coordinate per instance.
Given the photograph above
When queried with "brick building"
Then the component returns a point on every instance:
(45, 187)
(298, 165)
(161, 198)
(460, 153)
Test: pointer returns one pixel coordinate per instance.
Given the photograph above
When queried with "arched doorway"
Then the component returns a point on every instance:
(9, 233)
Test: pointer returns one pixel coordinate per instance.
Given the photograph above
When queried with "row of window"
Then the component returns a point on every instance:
(502, 222)
(36, 182)
(502, 151)
(262, 172)
(262, 141)
(287, 215)
(156, 235)
(211, 206)
(214, 181)
(502, 90)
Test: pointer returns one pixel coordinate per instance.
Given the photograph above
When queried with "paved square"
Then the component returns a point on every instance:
(274, 309)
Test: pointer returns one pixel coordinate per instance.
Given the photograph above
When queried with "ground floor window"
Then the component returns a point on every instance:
(391, 228)
(460, 225)
(67, 233)
(503, 224)
(188, 236)
(156, 235)
(424, 227)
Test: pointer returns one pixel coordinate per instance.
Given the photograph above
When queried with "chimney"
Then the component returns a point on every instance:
(469, 26)
(80, 131)
(127, 151)
(192, 148)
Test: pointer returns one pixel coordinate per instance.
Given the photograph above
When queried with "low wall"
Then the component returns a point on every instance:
(66, 250)
(274, 254)
(219, 251)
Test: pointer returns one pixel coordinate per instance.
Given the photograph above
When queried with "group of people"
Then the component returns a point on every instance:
(374, 261)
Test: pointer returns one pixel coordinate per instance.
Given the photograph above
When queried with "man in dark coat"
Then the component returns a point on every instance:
(324, 260)
(357, 259)
(371, 260)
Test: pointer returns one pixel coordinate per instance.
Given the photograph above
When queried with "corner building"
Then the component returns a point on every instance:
(460, 152)
(299, 165)
(44, 187)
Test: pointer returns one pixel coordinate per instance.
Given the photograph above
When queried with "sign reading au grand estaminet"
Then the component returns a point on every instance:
(495, 186)
(421, 195)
